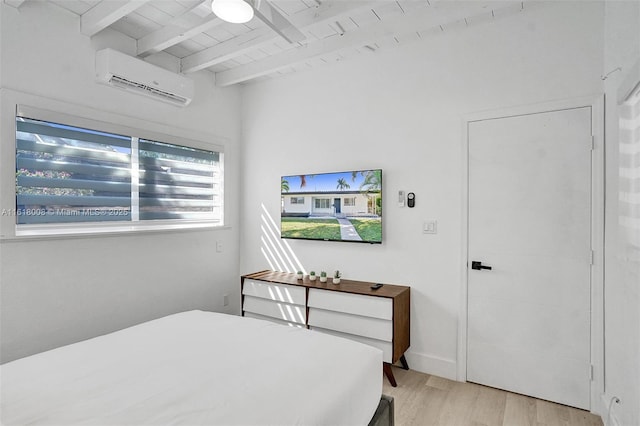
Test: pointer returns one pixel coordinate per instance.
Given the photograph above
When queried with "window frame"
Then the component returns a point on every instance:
(319, 199)
(12, 230)
(296, 200)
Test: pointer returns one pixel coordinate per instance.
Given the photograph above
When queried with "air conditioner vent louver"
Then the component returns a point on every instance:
(126, 72)
(116, 80)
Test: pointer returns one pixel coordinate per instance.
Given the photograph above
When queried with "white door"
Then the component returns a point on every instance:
(530, 222)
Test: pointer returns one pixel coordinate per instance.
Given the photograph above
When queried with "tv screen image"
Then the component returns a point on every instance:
(340, 206)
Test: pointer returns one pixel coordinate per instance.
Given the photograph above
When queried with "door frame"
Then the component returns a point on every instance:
(596, 103)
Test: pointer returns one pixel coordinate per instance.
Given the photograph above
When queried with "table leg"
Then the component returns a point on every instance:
(403, 361)
(386, 367)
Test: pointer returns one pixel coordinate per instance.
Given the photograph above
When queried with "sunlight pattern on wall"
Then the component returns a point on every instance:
(276, 251)
(629, 172)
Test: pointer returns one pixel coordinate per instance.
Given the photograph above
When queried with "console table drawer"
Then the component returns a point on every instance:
(385, 347)
(351, 309)
(273, 320)
(374, 328)
(277, 310)
(369, 306)
(279, 292)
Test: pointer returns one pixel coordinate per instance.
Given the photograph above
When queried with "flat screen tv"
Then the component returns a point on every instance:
(340, 206)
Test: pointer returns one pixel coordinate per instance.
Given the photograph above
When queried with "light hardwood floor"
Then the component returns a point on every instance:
(424, 400)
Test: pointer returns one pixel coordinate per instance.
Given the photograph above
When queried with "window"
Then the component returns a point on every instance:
(74, 175)
(177, 182)
(629, 172)
(297, 200)
(68, 174)
(322, 203)
(350, 202)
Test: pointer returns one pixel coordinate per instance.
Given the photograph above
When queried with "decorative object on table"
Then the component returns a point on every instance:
(336, 277)
(299, 275)
(312, 275)
(323, 277)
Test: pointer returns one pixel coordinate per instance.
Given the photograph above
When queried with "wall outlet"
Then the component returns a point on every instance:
(219, 246)
(225, 300)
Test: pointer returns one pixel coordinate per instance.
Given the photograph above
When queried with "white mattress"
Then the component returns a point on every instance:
(196, 368)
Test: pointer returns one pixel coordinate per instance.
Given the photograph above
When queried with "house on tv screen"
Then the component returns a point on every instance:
(336, 203)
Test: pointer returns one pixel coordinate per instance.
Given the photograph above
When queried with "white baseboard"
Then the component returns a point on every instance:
(430, 364)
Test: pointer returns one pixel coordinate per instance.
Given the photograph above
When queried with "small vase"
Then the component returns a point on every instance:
(336, 280)
(300, 276)
(312, 277)
(323, 279)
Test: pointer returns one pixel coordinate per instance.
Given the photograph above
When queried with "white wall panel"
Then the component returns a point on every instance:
(401, 110)
(58, 291)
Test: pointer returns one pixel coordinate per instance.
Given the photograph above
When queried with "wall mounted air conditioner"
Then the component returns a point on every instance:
(126, 72)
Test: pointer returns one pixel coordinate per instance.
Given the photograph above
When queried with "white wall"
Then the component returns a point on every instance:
(401, 110)
(57, 291)
(622, 267)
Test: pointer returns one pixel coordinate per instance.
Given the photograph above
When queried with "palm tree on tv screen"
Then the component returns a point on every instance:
(284, 185)
(372, 181)
(342, 184)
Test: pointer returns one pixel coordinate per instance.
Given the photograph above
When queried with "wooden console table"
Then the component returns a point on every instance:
(351, 309)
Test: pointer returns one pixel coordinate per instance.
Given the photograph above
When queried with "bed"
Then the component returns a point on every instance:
(199, 368)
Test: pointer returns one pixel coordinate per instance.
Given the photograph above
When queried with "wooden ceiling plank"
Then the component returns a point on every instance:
(227, 50)
(14, 3)
(364, 36)
(78, 6)
(280, 61)
(152, 13)
(289, 7)
(257, 38)
(106, 13)
(173, 34)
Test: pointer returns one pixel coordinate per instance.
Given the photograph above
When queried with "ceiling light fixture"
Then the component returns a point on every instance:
(234, 11)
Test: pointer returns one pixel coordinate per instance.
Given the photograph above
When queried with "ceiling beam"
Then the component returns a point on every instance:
(106, 13)
(274, 19)
(173, 34)
(262, 36)
(402, 24)
(14, 3)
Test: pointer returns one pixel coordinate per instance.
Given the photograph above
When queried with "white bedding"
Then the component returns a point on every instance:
(196, 368)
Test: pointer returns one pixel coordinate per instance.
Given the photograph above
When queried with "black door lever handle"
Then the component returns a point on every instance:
(478, 265)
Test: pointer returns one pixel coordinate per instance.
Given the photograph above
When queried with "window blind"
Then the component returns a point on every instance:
(629, 168)
(69, 174)
(178, 182)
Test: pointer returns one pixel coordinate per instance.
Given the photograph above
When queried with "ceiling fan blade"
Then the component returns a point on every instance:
(276, 21)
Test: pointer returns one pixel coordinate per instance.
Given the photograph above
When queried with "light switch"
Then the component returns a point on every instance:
(219, 246)
(430, 226)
